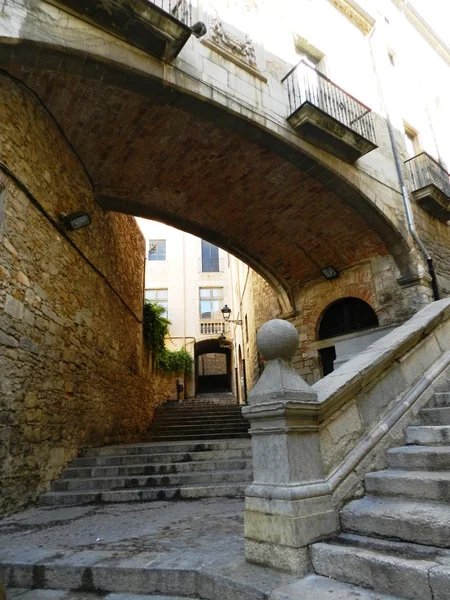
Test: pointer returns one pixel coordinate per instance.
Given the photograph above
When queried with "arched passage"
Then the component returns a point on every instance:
(345, 316)
(213, 367)
(164, 154)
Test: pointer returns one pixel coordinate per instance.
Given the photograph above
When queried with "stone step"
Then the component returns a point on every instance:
(35, 594)
(161, 448)
(430, 458)
(200, 419)
(435, 416)
(201, 410)
(156, 468)
(204, 428)
(429, 485)
(442, 399)
(380, 571)
(177, 457)
(225, 490)
(427, 435)
(421, 522)
(226, 435)
(154, 481)
(315, 587)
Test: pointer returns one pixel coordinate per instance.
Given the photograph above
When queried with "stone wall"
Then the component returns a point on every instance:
(212, 364)
(73, 369)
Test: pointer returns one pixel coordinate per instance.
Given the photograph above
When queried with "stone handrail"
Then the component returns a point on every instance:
(313, 445)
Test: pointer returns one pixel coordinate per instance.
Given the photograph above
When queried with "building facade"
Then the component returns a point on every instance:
(194, 280)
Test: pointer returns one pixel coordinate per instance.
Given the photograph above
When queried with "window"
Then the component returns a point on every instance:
(159, 297)
(156, 249)
(211, 300)
(412, 141)
(310, 54)
(210, 258)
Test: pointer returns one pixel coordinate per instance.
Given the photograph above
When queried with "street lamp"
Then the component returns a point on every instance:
(226, 313)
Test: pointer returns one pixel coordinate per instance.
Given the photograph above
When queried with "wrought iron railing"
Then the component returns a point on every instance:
(306, 84)
(427, 171)
(212, 328)
(180, 9)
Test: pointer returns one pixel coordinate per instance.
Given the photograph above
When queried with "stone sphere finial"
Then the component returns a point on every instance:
(277, 339)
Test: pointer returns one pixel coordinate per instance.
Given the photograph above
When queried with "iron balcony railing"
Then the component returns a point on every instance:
(180, 9)
(212, 328)
(306, 84)
(427, 171)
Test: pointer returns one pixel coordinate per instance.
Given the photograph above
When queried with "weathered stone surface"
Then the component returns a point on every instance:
(73, 369)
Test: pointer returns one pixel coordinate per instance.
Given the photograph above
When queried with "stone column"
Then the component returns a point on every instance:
(289, 505)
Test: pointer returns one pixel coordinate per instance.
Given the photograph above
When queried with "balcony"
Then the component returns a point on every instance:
(431, 185)
(325, 115)
(159, 27)
(212, 327)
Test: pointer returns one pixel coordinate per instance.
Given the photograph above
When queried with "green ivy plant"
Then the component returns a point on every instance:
(156, 327)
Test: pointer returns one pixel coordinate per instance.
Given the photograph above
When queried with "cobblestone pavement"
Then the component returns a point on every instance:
(165, 549)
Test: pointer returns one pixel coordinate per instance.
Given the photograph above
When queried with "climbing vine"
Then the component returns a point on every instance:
(156, 328)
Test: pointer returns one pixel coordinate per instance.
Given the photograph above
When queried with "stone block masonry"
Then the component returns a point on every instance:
(73, 369)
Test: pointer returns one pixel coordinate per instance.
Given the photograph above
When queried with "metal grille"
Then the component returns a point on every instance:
(180, 9)
(427, 171)
(306, 84)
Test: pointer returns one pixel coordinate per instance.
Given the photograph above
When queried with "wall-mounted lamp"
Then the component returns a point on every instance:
(226, 313)
(329, 273)
(75, 220)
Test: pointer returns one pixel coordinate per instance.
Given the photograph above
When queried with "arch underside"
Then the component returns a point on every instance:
(162, 154)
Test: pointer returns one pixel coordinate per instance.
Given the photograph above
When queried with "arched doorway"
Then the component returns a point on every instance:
(345, 316)
(212, 367)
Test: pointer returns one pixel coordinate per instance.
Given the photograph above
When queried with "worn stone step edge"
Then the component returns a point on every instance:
(52, 594)
(230, 490)
(429, 485)
(403, 549)
(435, 416)
(186, 438)
(428, 435)
(232, 427)
(431, 458)
(157, 468)
(181, 458)
(184, 581)
(375, 570)
(162, 447)
(442, 399)
(410, 520)
(155, 481)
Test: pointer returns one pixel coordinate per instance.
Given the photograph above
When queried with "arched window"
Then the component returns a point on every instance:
(340, 318)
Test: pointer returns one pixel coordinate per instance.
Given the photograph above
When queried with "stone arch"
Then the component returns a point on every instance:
(277, 190)
(351, 305)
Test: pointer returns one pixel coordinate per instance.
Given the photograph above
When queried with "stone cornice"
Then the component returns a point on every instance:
(424, 29)
(362, 20)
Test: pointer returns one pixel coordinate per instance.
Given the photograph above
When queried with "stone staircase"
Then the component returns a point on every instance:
(211, 418)
(396, 539)
(191, 452)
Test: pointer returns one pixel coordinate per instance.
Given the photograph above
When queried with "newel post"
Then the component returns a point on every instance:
(289, 505)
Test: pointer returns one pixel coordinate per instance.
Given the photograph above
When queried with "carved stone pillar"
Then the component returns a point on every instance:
(289, 504)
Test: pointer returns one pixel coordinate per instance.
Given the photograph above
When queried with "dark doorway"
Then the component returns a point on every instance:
(340, 318)
(213, 367)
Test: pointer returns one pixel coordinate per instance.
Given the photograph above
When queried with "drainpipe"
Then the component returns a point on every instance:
(401, 179)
